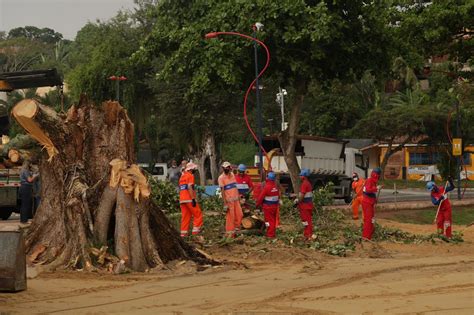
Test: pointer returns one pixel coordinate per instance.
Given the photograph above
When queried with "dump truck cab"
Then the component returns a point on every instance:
(10, 177)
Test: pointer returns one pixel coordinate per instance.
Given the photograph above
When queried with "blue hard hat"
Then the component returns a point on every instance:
(430, 185)
(242, 168)
(377, 170)
(271, 176)
(305, 172)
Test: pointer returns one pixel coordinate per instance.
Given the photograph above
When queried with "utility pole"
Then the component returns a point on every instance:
(458, 160)
(257, 27)
(281, 101)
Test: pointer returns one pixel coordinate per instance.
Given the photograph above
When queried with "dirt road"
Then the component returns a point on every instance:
(391, 278)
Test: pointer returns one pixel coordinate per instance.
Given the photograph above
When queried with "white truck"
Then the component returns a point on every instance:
(327, 159)
(159, 171)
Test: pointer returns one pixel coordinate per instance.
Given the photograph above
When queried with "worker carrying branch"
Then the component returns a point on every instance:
(439, 198)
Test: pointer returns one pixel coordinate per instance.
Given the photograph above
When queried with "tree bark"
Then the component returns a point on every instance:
(82, 206)
(289, 137)
(390, 152)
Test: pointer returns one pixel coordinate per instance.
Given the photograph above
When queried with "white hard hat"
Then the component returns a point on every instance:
(190, 166)
(226, 164)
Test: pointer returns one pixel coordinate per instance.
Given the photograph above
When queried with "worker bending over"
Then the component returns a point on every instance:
(269, 201)
(187, 199)
(439, 198)
(230, 195)
(357, 187)
(369, 199)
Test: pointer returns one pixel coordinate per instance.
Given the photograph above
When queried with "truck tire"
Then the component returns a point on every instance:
(5, 214)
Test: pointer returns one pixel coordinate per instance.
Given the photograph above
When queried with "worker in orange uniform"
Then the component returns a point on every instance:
(230, 194)
(357, 187)
(269, 200)
(369, 199)
(244, 184)
(305, 203)
(187, 200)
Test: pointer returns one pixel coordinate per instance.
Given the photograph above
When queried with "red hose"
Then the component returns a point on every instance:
(251, 84)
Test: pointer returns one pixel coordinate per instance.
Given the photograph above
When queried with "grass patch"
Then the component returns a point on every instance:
(461, 216)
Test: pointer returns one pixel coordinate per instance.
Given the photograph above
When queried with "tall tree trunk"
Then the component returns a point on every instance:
(81, 208)
(211, 152)
(391, 151)
(288, 138)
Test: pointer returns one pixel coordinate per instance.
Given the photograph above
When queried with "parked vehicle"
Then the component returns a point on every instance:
(9, 187)
(326, 158)
(158, 171)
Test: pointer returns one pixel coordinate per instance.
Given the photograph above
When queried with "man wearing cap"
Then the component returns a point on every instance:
(230, 194)
(305, 203)
(357, 187)
(439, 198)
(269, 200)
(187, 199)
(244, 182)
(369, 198)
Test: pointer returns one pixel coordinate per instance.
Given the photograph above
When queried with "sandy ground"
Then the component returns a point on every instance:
(377, 279)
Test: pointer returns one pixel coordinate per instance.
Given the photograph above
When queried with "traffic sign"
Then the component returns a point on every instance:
(457, 146)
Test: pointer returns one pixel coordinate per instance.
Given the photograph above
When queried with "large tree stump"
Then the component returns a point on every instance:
(80, 210)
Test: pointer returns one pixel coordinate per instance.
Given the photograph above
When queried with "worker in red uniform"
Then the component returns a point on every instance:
(187, 200)
(244, 184)
(439, 198)
(305, 203)
(369, 199)
(230, 194)
(357, 187)
(269, 200)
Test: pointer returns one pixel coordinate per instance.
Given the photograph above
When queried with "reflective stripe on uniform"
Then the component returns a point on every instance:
(271, 200)
(196, 229)
(243, 188)
(230, 186)
(185, 201)
(305, 223)
(308, 197)
(370, 195)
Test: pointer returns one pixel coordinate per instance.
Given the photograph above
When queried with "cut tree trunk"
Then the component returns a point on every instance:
(252, 222)
(84, 206)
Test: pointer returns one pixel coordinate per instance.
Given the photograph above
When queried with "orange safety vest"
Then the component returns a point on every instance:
(229, 185)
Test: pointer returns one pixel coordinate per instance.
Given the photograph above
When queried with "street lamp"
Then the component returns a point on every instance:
(280, 99)
(254, 84)
(117, 79)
